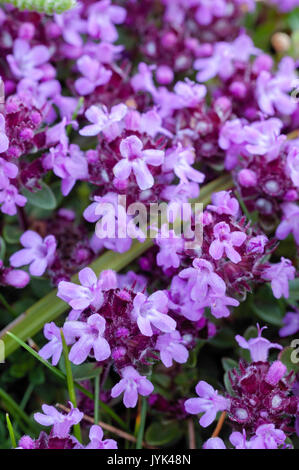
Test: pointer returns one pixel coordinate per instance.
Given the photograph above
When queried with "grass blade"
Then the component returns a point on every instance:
(70, 384)
(11, 432)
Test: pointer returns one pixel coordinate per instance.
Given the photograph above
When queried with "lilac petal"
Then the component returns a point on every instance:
(131, 146)
(216, 249)
(30, 239)
(87, 277)
(203, 389)
(145, 387)
(144, 178)
(144, 325)
(101, 349)
(164, 323)
(153, 157)
(84, 87)
(130, 397)
(180, 354)
(21, 258)
(208, 418)
(90, 131)
(38, 267)
(193, 406)
(122, 169)
(90, 212)
(43, 419)
(118, 388)
(80, 350)
(232, 254)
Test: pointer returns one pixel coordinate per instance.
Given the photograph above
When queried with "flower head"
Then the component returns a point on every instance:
(258, 347)
(136, 159)
(209, 403)
(37, 252)
(61, 423)
(132, 384)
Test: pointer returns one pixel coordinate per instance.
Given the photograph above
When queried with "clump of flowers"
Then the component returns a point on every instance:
(149, 175)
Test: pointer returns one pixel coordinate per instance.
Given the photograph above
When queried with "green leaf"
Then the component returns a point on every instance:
(43, 198)
(267, 308)
(294, 290)
(228, 363)
(2, 248)
(224, 339)
(160, 434)
(82, 372)
(290, 358)
(12, 233)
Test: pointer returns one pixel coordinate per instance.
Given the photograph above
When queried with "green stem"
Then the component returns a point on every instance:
(11, 432)
(70, 384)
(7, 306)
(96, 399)
(141, 427)
(17, 410)
(27, 396)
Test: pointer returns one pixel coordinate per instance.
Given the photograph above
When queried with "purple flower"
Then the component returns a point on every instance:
(13, 277)
(4, 142)
(258, 347)
(94, 75)
(257, 244)
(96, 439)
(224, 242)
(102, 16)
(239, 441)
(108, 211)
(26, 62)
(206, 11)
(290, 324)
(171, 348)
(293, 165)
(272, 93)
(69, 168)
(135, 159)
(218, 304)
(189, 94)
(10, 198)
(202, 279)
(72, 25)
(267, 437)
(289, 223)
(103, 121)
(151, 311)
(263, 138)
(90, 336)
(81, 297)
(171, 248)
(61, 423)
(223, 203)
(214, 443)
(38, 252)
(54, 347)
(209, 403)
(225, 54)
(132, 384)
(179, 160)
(280, 274)
(7, 171)
(143, 80)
